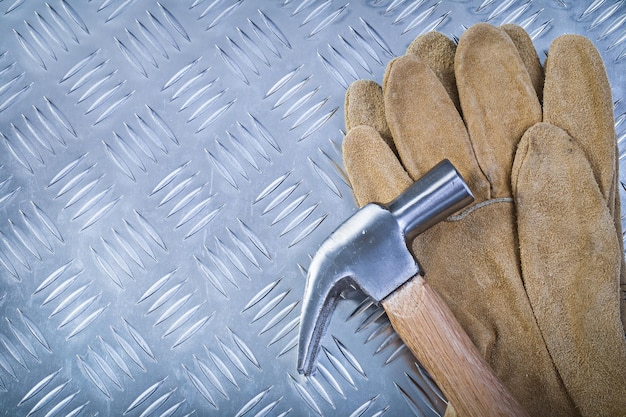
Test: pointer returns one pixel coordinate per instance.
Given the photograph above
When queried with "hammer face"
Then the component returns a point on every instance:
(352, 255)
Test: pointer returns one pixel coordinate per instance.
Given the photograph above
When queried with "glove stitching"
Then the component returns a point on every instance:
(466, 212)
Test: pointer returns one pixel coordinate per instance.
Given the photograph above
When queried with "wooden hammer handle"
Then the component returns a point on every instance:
(430, 330)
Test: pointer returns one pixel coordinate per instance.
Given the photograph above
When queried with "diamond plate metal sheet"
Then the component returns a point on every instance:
(167, 170)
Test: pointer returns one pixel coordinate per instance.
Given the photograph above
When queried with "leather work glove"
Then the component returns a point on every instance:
(532, 269)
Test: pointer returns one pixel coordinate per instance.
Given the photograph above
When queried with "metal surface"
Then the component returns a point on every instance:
(167, 170)
(370, 251)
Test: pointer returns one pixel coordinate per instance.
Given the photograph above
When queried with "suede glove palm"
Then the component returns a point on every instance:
(532, 270)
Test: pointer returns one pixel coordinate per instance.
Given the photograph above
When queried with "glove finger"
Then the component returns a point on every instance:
(577, 98)
(437, 51)
(498, 100)
(570, 261)
(364, 106)
(364, 99)
(374, 171)
(425, 125)
(527, 52)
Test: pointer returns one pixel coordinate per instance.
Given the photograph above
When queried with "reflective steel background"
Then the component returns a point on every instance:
(167, 170)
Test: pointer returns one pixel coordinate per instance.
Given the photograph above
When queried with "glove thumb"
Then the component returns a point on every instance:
(570, 260)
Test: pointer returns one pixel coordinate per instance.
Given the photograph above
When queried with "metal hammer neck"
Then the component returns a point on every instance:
(435, 196)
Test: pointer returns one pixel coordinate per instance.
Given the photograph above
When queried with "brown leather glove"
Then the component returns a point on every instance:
(532, 269)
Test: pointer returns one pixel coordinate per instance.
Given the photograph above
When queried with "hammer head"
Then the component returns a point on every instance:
(369, 251)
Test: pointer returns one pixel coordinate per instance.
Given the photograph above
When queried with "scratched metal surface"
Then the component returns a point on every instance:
(168, 168)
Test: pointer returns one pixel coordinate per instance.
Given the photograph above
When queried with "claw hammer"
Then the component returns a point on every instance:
(369, 250)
